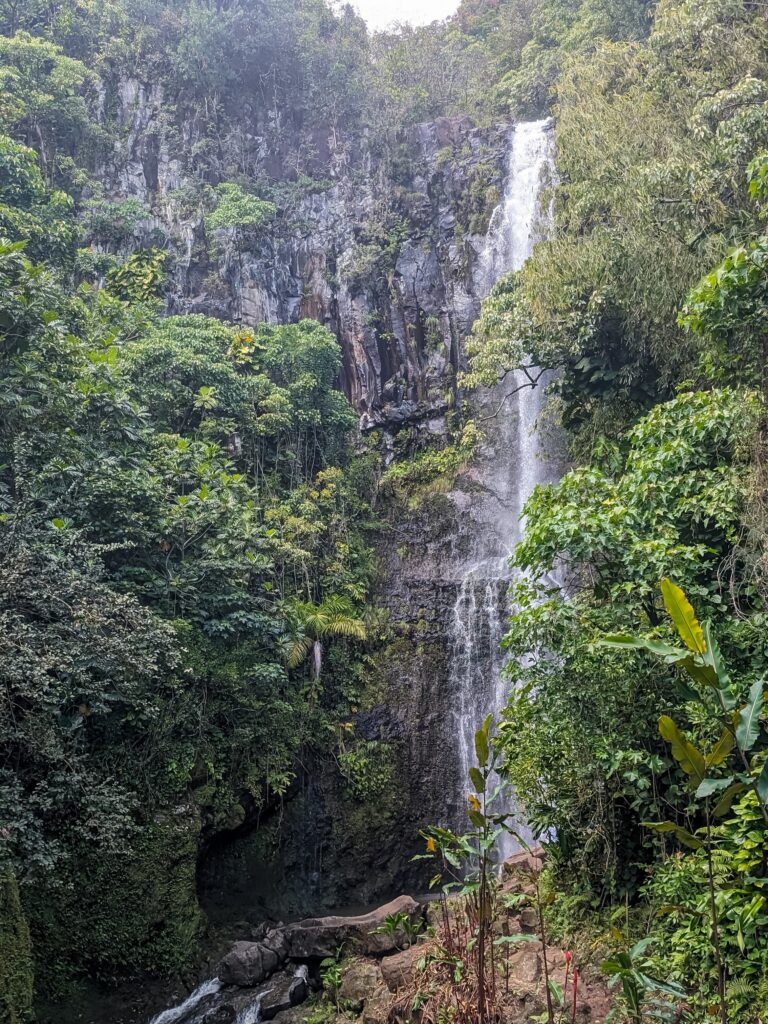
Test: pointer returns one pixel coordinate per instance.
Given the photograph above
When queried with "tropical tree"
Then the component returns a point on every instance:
(312, 623)
(43, 100)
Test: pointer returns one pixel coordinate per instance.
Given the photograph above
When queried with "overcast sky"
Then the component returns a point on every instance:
(381, 13)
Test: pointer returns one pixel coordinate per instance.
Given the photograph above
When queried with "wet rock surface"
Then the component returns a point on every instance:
(400, 309)
(285, 990)
(248, 963)
(321, 937)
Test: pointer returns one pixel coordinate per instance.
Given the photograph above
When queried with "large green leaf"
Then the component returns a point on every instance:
(657, 985)
(625, 642)
(699, 672)
(477, 819)
(684, 617)
(723, 805)
(748, 727)
(556, 991)
(710, 786)
(640, 947)
(477, 779)
(715, 658)
(762, 784)
(721, 749)
(514, 940)
(685, 837)
(687, 756)
(481, 745)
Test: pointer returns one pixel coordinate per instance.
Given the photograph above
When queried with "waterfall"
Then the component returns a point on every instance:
(509, 468)
(185, 1012)
(213, 1001)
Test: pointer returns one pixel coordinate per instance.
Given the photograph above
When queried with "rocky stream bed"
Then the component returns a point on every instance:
(271, 975)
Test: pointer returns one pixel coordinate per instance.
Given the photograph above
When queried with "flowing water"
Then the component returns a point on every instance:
(211, 1002)
(512, 464)
(192, 1005)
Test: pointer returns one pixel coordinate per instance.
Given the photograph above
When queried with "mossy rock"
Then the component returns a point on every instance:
(16, 972)
(122, 914)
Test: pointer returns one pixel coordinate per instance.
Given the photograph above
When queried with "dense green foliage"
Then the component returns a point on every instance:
(172, 493)
(650, 303)
(184, 523)
(494, 58)
(653, 145)
(588, 757)
(16, 979)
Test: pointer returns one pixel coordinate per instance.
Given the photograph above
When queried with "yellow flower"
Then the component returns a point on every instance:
(474, 803)
(431, 845)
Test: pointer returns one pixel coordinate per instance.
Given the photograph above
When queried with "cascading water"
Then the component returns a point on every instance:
(193, 1006)
(510, 467)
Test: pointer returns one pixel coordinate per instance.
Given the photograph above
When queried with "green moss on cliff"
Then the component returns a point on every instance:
(124, 914)
(16, 976)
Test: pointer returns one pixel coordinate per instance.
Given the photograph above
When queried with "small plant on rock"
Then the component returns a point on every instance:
(331, 974)
(400, 924)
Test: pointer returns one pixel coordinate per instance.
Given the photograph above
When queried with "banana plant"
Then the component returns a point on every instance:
(742, 733)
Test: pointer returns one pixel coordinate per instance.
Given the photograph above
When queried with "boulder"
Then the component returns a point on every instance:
(529, 920)
(378, 1006)
(399, 970)
(525, 861)
(283, 991)
(361, 978)
(526, 966)
(250, 963)
(319, 937)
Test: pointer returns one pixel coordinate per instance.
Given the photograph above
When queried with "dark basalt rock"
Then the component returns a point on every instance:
(249, 963)
(320, 937)
(285, 990)
(403, 316)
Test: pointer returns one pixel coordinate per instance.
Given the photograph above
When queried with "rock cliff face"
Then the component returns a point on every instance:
(385, 256)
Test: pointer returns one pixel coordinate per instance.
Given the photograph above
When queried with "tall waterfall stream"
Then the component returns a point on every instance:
(512, 465)
(510, 470)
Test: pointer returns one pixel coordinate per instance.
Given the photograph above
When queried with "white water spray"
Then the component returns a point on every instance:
(251, 1014)
(176, 1013)
(508, 473)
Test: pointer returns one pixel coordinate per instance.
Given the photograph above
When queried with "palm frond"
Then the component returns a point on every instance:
(343, 626)
(297, 650)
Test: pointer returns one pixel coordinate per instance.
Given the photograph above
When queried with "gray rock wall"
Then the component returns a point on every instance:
(386, 260)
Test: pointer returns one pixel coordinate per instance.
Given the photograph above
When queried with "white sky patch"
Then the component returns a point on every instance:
(383, 13)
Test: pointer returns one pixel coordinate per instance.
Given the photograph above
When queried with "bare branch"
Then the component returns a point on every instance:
(531, 382)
